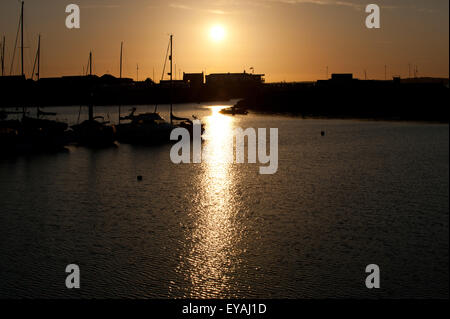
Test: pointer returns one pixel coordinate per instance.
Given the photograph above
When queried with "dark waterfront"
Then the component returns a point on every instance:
(366, 192)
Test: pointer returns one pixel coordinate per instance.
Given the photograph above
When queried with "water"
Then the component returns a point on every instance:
(367, 192)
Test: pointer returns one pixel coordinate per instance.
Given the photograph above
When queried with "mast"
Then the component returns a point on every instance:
(171, 77)
(120, 75)
(121, 49)
(21, 50)
(91, 107)
(39, 58)
(3, 56)
(21, 37)
(90, 63)
(38, 61)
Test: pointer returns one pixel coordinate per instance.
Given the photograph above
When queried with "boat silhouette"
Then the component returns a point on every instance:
(144, 128)
(150, 128)
(175, 120)
(233, 111)
(91, 132)
(29, 134)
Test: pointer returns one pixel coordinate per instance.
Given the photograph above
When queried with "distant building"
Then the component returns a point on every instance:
(109, 79)
(234, 79)
(342, 77)
(339, 80)
(194, 80)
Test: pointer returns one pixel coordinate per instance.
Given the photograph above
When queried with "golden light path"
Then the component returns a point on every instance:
(214, 237)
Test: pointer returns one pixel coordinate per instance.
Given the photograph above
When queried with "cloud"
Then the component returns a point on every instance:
(358, 5)
(185, 7)
(236, 6)
(322, 3)
(179, 6)
(99, 6)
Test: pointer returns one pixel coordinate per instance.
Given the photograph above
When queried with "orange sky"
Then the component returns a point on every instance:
(288, 40)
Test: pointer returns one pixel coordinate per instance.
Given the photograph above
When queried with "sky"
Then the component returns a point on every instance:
(287, 40)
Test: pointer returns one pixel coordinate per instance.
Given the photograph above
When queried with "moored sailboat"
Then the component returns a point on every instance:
(31, 135)
(93, 133)
(149, 128)
(145, 128)
(175, 120)
(46, 134)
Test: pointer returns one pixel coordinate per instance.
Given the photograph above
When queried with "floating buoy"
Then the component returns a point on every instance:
(139, 178)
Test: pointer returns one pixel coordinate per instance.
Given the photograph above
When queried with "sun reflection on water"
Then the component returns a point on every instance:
(212, 255)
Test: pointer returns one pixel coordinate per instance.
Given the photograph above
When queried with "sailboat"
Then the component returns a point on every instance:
(46, 126)
(144, 128)
(93, 133)
(175, 120)
(233, 111)
(30, 135)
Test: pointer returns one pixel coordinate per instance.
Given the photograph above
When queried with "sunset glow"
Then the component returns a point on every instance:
(217, 33)
(286, 40)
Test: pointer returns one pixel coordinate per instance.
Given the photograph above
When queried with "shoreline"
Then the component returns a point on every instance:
(364, 119)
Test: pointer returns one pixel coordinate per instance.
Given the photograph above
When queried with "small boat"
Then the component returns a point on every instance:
(93, 133)
(31, 135)
(42, 134)
(233, 111)
(187, 124)
(180, 121)
(150, 128)
(145, 128)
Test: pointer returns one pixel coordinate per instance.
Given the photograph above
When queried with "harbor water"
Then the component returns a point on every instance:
(366, 192)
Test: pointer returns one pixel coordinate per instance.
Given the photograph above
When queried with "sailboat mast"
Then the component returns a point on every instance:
(39, 58)
(91, 107)
(171, 77)
(38, 61)
(90, 63)
(120, 76)
(21, 50)
(21, 37)
(3, 56)
(121, 48)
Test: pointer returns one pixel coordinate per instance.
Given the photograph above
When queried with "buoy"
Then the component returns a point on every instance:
(139, 178)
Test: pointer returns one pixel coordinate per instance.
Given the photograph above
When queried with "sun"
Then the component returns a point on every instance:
(217, 33)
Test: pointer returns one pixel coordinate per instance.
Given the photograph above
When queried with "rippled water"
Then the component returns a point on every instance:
(366, 192)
